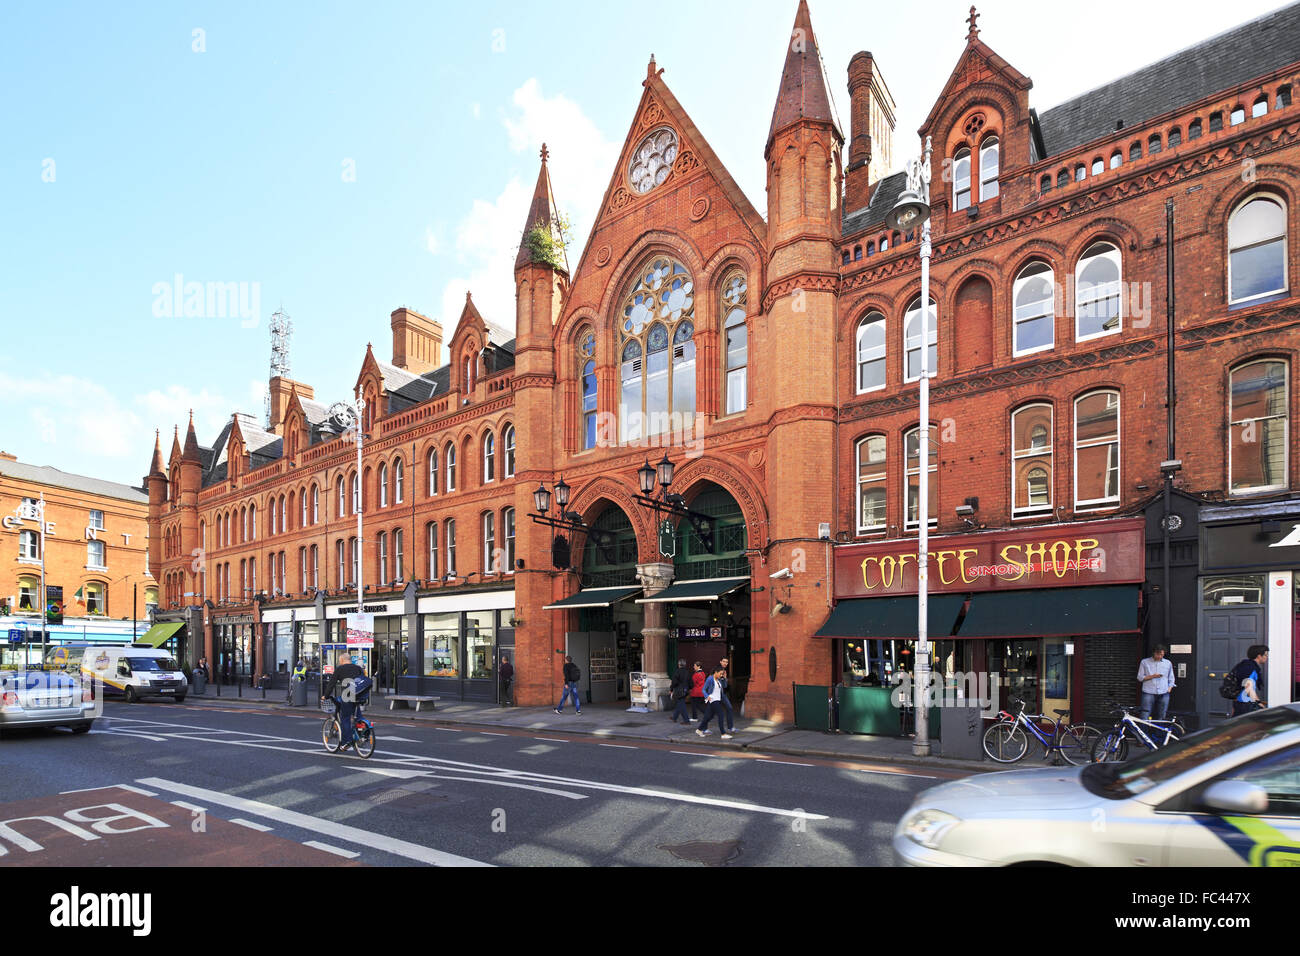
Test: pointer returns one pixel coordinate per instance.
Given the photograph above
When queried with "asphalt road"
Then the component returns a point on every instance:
(198, 784)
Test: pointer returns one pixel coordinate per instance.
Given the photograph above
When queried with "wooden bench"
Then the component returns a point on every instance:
(406, 700)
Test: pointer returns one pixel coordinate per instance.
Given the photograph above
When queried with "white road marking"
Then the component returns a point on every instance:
(189, 806)
(399, 740)
(790, 763)
(338, 831)
(486, 733)
(686, 753)
(337, 851)
(554, 740)
(115, 786)
(437, 775)
(250, 824)
(619, 746)
(898, 773)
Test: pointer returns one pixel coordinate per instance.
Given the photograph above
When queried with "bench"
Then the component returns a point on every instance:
(406, 700)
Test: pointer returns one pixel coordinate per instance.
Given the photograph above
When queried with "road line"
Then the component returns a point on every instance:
(189, 806)
(338, 831)
(337, 851)
(554, 740)
(620, 746)
(686, 753)
(250, 824)
(897, 773)
(790, 763)
(486, 733)
(114, 786)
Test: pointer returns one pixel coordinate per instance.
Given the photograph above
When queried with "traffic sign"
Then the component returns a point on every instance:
(15, 636)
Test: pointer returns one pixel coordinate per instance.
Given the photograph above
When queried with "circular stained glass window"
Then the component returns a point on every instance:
(653, 160)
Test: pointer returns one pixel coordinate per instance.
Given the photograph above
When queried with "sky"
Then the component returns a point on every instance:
(339, 160)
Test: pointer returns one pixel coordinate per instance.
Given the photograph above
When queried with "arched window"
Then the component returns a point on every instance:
(1134, 152)
(871, 353)
(1216, 122)
(508, 441)
(29, 594)
(342, 505)
(1257, 249)
(450, 456)
(431, 539)
(489, 542)
(871, 248)
(912, 340)
(304, 581)
(450, 538)
(399, 475)
(735, 296)
(1153, 144)
(857, 253)
(1096, 450)
(356, 494)
(1258, 430)
(658, 318)
(353, 556)
(398, 573)
(884, 243)
(1194, 129)
(243, 524)
(1045, 183)
(1098, 166)
(508, 529)
(432, 462)
(989, 168)
(912, 447)
(1116, 159)
(302, 510)
(1283, 97)
(1175, 137)
(489, 458)
(340, 578)
(1034, 317)
(1062, 179)
(1031, 460)
(1097, 292)
(383, 558)
(961, 179)
(383, 486)
(315, 505)
(96, 598)
(587, 362)
(284, 514)
(1080, 173)
(871, 484)
(1237, 116)
(315, 566)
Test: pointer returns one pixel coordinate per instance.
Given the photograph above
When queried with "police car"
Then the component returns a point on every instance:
(1226, 796)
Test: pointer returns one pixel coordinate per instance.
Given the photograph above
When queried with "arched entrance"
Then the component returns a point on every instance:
(607, 643)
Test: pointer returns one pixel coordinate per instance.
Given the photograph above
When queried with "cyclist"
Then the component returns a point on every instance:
(341, 688)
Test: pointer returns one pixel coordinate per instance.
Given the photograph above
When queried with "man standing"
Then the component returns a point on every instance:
(572, 674)
(1156, 677)
(506, 675)
(1248, 674)
(681, 689)
(341, 689)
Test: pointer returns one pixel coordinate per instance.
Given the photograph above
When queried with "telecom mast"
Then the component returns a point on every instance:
(281, 332)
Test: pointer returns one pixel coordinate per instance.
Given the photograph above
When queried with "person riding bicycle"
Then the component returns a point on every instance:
(341, 688)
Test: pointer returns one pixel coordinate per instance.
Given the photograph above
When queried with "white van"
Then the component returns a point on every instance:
(135, 672)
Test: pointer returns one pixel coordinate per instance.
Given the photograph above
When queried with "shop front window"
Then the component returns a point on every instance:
(442, 645)
(480, 640)
(1232, 589)
(309, 636)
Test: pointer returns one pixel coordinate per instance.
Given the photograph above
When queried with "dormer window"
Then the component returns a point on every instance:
(989, 169)
(961, 179)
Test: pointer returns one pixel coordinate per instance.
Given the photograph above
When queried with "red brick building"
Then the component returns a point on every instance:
(773, 357)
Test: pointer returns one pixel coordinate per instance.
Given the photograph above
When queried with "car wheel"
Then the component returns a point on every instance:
(82, 728)
(1005, 743)
(180, 698)
(131, 696)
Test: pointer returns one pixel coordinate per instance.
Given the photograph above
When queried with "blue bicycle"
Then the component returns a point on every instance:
(1113, 747)
(1007, 741)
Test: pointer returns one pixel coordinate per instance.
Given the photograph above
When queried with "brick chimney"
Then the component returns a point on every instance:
(281, 389)
(417, 342)
(871, 132)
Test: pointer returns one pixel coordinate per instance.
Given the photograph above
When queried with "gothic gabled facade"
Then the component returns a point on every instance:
(773, 359)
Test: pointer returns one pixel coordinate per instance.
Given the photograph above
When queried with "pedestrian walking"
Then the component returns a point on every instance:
(725, 700)
(698, 677)
(1156, 677)
(506, 675)
(712, 695)
(572, 674)
(681, 691)
(1247, 676)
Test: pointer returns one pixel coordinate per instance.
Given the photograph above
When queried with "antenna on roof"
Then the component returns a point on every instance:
(281, 332)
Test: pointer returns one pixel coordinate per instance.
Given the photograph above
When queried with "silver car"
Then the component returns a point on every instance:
(44, 699)
(1226, 796)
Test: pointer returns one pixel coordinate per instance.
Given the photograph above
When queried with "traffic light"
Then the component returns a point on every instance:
(53, 604)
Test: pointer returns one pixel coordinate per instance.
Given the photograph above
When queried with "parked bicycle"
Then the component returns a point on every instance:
(1153, 734)
(332, 733)
(1007, 741)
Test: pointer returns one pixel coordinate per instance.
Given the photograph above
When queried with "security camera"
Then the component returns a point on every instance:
(1171, 467)
(782, 574)
(965, 511)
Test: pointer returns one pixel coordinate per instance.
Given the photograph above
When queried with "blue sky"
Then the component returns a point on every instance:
(342, 159)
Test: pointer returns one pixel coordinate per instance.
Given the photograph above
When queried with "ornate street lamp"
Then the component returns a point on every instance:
(566, 521)
(646, 477)
(670, 505)
(542, 499)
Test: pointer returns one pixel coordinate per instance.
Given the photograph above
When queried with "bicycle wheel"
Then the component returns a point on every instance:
(365, 743)
(1077, 743)
(1005, 743)
(330, 735)
(1111, 747)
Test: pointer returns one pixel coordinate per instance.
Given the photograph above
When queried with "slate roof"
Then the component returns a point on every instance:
(1211, 66)
(883, 198)
(55, 478)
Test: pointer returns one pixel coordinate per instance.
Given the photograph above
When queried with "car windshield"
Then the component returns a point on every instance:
(153, 664)
(1123, 780)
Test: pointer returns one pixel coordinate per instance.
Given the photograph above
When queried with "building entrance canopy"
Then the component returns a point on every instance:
(594, 597)
(684, 591)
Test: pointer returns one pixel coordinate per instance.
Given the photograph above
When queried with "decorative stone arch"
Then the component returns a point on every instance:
(1119, 233)
(989, 95)
(592, 499)
(1269, 178)
(568, 336)
(731, 257)
(1021, 256)
(645, 246)
(738, 480)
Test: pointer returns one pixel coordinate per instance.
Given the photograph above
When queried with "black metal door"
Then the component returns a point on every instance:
(1226, 635)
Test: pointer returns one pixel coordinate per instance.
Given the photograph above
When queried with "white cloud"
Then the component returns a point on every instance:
(487, 238)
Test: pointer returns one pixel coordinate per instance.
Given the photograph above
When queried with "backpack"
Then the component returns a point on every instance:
(1231, 685)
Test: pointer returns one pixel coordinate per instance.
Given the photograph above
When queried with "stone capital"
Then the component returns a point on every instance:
(655, 577)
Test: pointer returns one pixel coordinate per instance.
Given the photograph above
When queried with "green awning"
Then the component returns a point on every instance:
(706, 590)
(594, 597)
(1055, 612)
(159, 634)
(892, 618)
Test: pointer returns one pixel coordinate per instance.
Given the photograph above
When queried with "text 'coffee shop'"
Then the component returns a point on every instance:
(1053, 611)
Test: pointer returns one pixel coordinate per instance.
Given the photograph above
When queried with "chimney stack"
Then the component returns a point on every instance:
(281, 389)
(871, 132)
(417, 342)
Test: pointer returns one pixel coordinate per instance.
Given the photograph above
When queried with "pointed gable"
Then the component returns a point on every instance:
(804, 94)
(978, 65)
(542, 214)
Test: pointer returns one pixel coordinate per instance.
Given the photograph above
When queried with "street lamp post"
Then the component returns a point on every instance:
(913, 207)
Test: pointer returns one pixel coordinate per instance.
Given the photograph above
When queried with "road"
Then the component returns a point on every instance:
(168, 784)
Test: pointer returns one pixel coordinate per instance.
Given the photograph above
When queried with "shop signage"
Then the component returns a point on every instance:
(699, 633)
(382, 608)
(361, 631)
(1077, 555)
(1248, 547)
(234, 619)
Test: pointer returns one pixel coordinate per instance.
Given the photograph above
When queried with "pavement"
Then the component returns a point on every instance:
(615, 722)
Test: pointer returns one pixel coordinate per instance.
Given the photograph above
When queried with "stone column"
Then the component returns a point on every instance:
(654, 578)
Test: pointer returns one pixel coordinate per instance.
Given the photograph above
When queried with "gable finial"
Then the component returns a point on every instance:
(546, 154)
(650, 70)
(974, 30)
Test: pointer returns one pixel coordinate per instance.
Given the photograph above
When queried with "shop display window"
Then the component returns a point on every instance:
(480, 641)
(442, 645)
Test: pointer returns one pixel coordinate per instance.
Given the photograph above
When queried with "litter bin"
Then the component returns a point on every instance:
(298, 697)
(200, 682)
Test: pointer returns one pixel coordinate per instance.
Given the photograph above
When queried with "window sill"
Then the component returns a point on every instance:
(1078, 339)
(1094, 509)
(1034, 516)
(1260, 300)
(30, 562)
(96, 567)
(1245, 493)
